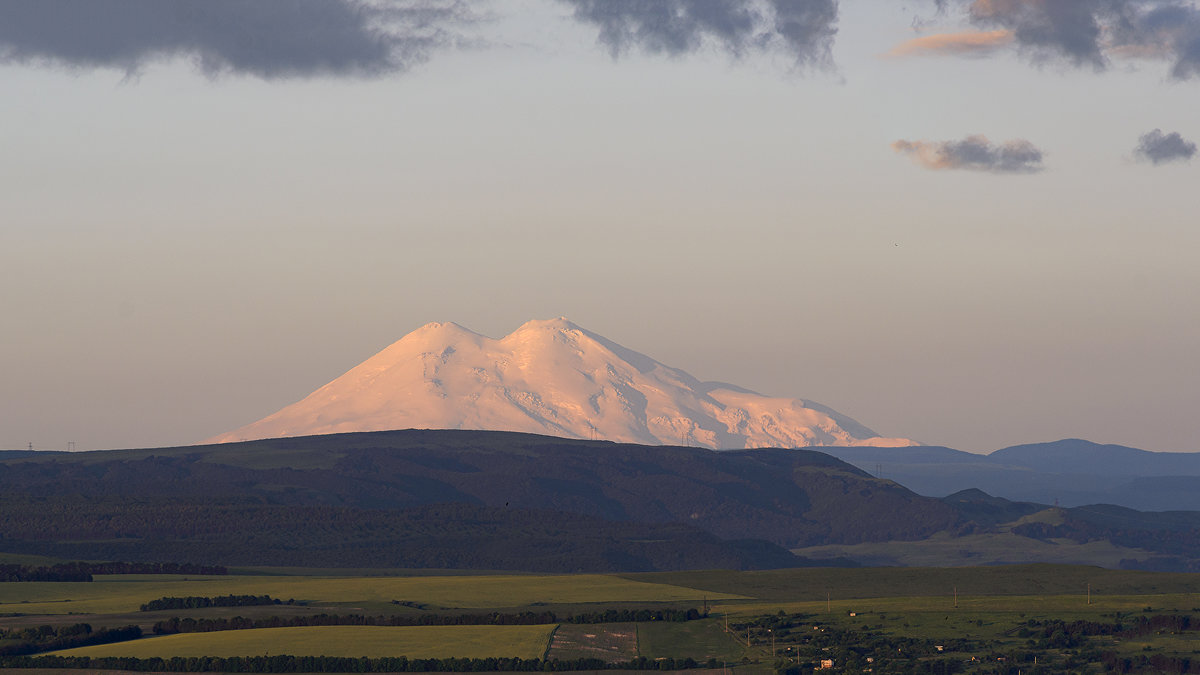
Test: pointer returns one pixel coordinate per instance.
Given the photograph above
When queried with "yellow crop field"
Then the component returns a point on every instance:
(415, 642)
(116, 594)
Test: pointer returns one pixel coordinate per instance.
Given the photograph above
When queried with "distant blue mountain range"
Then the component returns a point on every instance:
(1070, 472)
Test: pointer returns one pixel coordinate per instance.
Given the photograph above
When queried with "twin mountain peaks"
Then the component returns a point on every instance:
(555, 378)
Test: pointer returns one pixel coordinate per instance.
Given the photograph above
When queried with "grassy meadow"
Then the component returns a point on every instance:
(985, 608)
(414, 642)
(126, 593)
(818, 584)
(977, 549)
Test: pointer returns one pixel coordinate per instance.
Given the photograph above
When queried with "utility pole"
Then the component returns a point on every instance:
(1089, 592)
(956, 596)
(828, 603)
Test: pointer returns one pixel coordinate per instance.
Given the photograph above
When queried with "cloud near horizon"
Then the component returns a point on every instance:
(973, 153)
(1159, 148)
(803, 29)
(967, 43)
(270, 40)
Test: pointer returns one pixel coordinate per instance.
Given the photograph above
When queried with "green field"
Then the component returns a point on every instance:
(978, 612)
(701, 640)
(1059, 606)
(419, 642)
(938, 618)
(118, 594)
(880, 582)
(977, 549)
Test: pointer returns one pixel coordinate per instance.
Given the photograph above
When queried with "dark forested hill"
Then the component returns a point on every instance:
(526, 502)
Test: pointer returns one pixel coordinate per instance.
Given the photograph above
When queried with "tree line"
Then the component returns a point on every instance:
(1157, 663)
(49, 638)
(84, 571)
(334, 664)
(208, 625)
(1059, 634)
(198, 602)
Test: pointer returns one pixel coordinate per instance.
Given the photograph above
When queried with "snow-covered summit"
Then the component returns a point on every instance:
(551, 377)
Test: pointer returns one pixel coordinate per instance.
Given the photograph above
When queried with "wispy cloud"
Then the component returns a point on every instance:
(804, 29)
(974, 153)
(968, 43)
(277, 39)
(1159, 148)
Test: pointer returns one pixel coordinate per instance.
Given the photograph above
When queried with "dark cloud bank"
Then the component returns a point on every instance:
(304, 38)
(1159, 148)
(974, 153)
(804, 29)
(1085, 32)
(268, 39)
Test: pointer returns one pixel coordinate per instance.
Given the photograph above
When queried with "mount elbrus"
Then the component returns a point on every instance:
(552, 377)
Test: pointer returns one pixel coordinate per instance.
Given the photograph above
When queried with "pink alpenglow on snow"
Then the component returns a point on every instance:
(551, 377)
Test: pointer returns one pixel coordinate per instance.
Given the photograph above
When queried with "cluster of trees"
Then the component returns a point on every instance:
(44, 633)
(153, 568)
(1161, 623)
(1161, 563)
(1058, 634)
(1182, 542)
(208, 625)
(83, 571)
(51, 638)
(1157, 663)
(923, 667)
(51, 573)
(1054, 645)
(197, 602)
(812, 641)
(630, 615)
(331, 664)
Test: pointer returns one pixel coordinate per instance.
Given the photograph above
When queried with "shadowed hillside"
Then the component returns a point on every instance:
(332, 498)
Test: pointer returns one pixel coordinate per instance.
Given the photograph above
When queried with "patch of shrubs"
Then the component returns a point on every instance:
(196, 602)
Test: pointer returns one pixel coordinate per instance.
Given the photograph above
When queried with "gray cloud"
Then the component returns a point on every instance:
(1170, 30)
(1086, 33)
(808, 28)
(804, 29)
(1050, 29)
(277, 39)
(669, 26)
(1159, 148)
(974, 153)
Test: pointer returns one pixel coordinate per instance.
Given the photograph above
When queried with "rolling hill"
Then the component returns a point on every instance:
(502, 500)
(280, 501)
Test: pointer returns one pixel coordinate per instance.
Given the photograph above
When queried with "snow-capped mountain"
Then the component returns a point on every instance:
(551, 377)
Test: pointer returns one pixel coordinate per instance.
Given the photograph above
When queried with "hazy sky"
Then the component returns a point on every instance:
(974, 223)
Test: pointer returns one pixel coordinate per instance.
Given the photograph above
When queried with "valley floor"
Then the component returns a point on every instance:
(969, 619)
